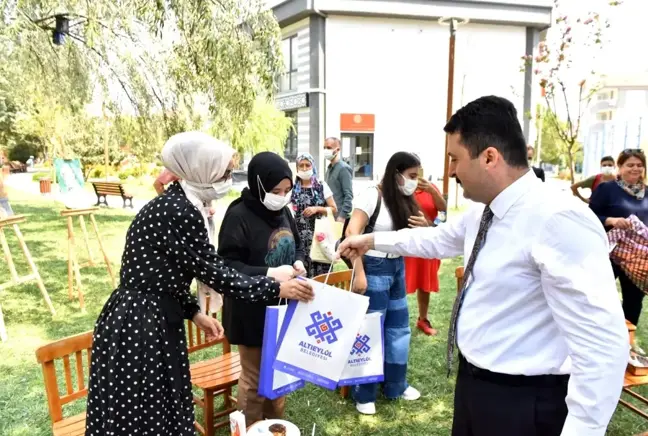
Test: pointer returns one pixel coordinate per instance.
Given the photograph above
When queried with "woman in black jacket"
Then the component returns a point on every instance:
(258, 236)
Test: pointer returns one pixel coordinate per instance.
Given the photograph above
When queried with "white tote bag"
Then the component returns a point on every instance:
(316, 337)
(365, 363)
(327, 232)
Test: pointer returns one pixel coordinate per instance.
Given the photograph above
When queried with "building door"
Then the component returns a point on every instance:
(359, 148)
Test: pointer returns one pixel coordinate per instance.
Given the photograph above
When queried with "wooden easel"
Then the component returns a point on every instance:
(74, 268)
(15, 278)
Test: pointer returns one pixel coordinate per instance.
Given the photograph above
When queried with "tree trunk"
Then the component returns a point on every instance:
(570, 162)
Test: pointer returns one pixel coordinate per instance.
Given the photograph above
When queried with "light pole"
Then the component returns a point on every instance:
(453, 24)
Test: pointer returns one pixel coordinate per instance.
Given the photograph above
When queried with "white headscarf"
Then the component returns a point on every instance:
(199, 160)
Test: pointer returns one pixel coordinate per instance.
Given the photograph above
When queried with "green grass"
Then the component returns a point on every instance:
(23, 407)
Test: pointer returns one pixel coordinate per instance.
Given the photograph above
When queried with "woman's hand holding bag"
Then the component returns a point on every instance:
(296, 289)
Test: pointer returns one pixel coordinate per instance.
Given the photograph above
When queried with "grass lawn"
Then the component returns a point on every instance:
(23, 407)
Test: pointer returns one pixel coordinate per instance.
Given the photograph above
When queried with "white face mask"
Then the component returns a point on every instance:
(608, 171)
(305, 175)
(329, 154)
(409, 186)
(273, 202)
(222, 188)
(206, 193)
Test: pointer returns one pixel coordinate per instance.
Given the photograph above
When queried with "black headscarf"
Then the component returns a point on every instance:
(271, 169)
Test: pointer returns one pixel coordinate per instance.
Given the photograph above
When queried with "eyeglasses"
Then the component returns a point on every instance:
(226, 176)
(633, 151)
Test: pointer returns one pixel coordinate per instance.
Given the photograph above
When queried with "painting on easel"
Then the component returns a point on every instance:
(69, 178)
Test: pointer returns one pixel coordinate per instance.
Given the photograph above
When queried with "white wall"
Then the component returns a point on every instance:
(397, 69)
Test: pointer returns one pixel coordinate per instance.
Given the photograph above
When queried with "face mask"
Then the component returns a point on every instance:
(608, 171)
(273, 202)
(222, 188)
(305, 175)
(329, 154)
(409, 186)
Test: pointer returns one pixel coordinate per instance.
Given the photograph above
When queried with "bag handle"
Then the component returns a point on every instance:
(352, 274)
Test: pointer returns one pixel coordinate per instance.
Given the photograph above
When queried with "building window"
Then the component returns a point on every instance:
(606, 95)
(288, 79)
(290, 147)
(604, 116)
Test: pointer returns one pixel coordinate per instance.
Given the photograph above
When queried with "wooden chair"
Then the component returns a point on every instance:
(214, 377)
(46, 356)
(459, 273)
(342, 280)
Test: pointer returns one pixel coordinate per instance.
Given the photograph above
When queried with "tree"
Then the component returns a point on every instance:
(146, 59)
(565, 67)
(553, 149)
(266, 129)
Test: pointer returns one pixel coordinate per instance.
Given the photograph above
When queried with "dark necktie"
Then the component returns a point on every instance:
(487, 218)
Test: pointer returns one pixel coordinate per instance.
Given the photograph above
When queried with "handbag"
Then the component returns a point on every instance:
(326, 232)
(272, 383)
(316, 337)
(365, 363)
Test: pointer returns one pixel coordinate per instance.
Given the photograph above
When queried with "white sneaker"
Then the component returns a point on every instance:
(411, 394)
(366, 408)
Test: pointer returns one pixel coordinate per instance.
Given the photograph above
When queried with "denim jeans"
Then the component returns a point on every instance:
(386, 292)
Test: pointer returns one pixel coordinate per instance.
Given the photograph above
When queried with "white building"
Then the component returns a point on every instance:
(375, 73)
(616, 119)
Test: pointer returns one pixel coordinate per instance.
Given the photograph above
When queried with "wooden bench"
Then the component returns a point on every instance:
(103, 189)
(213, 377)
(46, 356)
(17, 167)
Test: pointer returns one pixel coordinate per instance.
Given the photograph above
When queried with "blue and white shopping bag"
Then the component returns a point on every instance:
(366, 360)
(274, 384)
(316, 337)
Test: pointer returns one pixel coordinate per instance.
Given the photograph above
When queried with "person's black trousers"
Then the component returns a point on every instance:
(632, 295)
(492, 404)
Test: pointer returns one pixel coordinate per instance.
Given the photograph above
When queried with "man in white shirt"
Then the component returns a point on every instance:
(540, 332)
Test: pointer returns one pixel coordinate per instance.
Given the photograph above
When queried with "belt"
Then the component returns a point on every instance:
(374, 253)
(547, 380)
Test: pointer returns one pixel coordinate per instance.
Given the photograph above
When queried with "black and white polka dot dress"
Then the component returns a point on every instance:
(139, 375)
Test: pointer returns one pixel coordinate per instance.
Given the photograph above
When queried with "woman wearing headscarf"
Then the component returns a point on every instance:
(258, 237)
(139, 375)
(311, 198)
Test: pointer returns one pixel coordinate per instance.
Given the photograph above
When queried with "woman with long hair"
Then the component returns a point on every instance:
(259, 237)
(381, 276)
(311, 199)
(139, 374)
(613, 202)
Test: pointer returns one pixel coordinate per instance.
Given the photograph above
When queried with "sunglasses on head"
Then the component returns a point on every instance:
(633, 151)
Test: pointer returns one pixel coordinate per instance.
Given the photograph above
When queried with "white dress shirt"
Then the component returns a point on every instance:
(542, 298)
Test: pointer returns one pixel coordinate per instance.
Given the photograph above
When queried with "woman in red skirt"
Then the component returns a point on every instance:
(422, 275)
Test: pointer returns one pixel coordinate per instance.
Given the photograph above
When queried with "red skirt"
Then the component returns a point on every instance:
(421, 274)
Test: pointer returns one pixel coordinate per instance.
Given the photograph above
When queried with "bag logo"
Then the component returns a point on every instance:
(361, 345)
(324, 327)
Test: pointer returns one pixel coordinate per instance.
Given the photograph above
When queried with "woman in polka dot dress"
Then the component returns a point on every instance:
(139, 375)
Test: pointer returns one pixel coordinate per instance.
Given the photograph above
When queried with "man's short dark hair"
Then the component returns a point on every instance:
(490, 122)
(607, 159)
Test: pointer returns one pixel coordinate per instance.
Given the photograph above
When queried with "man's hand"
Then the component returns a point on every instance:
(356, 246)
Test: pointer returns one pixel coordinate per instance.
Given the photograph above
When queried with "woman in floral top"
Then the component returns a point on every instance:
(311, 198)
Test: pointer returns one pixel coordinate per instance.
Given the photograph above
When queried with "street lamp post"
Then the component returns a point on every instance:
(453, 24)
